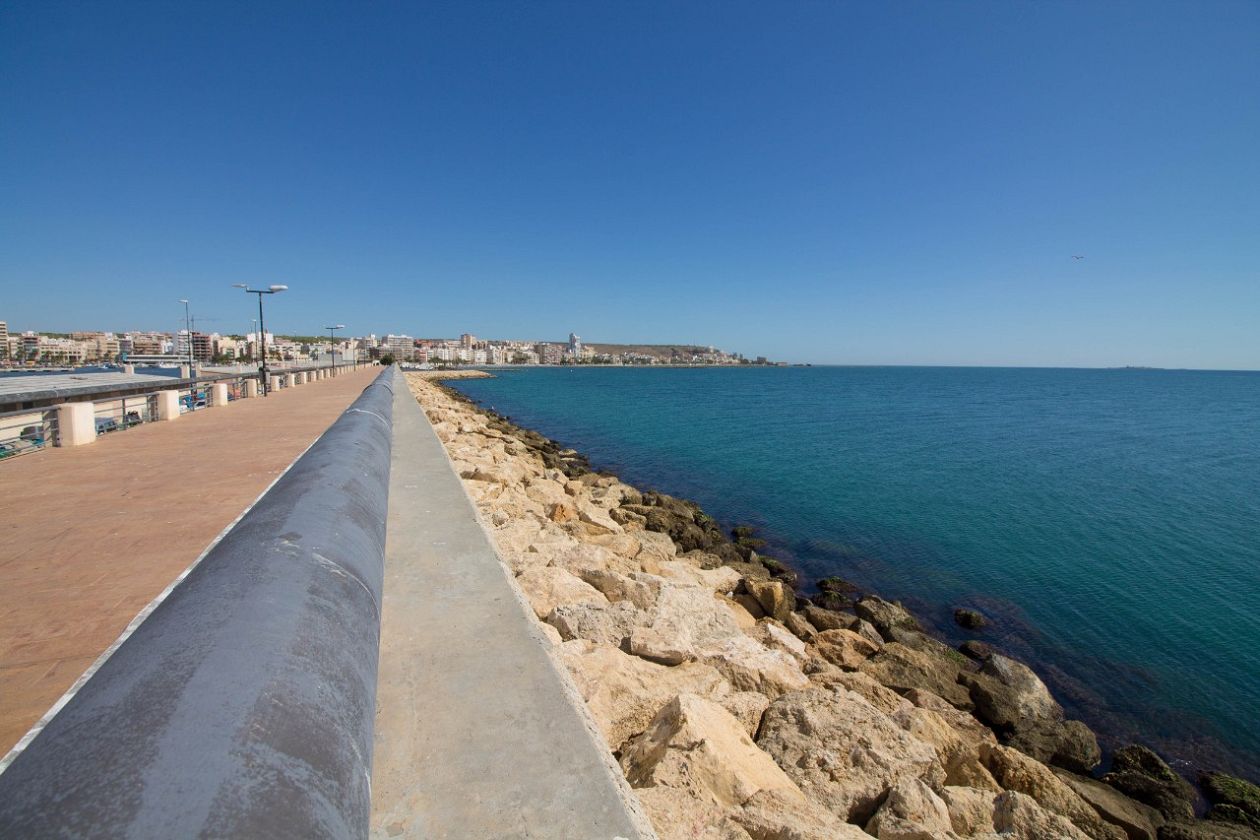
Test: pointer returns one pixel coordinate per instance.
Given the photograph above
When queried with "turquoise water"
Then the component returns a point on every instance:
(1108, 521)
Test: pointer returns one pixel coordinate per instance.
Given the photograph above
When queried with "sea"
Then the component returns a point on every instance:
(1107, 522)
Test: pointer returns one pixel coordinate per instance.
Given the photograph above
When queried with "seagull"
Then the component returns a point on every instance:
(1077, 257)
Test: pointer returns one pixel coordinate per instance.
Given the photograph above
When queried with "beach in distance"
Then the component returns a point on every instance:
(1105, 522)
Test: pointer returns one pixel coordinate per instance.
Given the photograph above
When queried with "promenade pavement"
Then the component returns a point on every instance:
(90, 535)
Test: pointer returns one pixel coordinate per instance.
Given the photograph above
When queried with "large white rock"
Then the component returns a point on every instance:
(775, 636)
(547, 492)
(959, 755)
(575, 557)
(624, 692)
(1020, 817)
(655, 546)
(723, 579)
(619, 587)
(767, 816)
(970, 810)
(1015, 771)
(684, 619)
(842, 751)
(547, 587)
(912, 811)
(751, 666)
(844, 648)
(608, 624)
(694, 744)
(597, 519)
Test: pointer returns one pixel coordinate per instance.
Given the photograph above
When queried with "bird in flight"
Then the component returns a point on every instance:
(1077, 257)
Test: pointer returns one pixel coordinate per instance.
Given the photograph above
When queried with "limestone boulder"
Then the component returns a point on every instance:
(550, 635)
(842, 751)
(624, 545)
(970, 810)
(959, 756)
(902, 668)
(1137, 820)
(547, 587)
(885, 699)
(777, 637)
(597, 518)
(912, 811)
(722, 579)
(742, 616)
(575, 557)
(750, 604)
(800, 627)
(844, 648)
(624, 692)
(885, 616)
(823, 619)
(1015, 771)
(656, 546)
(1207, 830)
(618, 587)
(1233, 799)
(546, 493)
(968, 728)
(694, 744)
(747, 707)
(682, 815)
(771, 816)
(776, 598)
(507, 473)
(683, 619)
(1019, 817)
(608, 623)
(1141, 774)
(1012, 699)
(751, 666)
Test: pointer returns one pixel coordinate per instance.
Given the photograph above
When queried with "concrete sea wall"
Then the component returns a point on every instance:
(244, 704)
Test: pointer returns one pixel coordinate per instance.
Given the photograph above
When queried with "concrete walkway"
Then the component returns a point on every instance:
(89, 535)
(477, 732)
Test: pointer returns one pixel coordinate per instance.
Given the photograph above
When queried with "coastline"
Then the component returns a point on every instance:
(971, 737)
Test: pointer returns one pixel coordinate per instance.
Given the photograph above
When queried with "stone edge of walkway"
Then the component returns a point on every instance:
(407, 411)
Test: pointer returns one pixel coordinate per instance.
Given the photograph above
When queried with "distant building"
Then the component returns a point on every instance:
(467, 340)
(401, 347)
(202, 347)
(548, 354)
(575, 345)
(4, 341)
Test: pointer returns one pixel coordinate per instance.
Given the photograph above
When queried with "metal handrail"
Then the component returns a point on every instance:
(27, 430)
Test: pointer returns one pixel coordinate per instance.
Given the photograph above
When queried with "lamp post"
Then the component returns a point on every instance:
(262, 327)
(332, 366)
(188, 335)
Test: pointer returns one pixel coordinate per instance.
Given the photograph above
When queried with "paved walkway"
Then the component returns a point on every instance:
(89, 535)
(477, 732)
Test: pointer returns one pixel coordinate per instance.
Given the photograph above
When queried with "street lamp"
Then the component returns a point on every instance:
(188, 335)
(262, 328)
(332, 366)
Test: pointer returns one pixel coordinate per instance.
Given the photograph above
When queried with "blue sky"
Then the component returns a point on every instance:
(861, 183)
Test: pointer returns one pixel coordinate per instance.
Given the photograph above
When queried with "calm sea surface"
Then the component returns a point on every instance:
(1108, 521)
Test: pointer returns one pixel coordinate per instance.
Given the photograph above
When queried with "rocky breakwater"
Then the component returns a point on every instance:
(739, 710)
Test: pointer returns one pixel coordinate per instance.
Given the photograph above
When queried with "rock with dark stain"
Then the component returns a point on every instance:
(1141, 774)
(969, 618)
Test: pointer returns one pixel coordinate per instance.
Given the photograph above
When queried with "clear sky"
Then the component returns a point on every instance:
(827, 182)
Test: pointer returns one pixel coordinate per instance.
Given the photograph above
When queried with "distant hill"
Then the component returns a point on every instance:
(663, 352)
